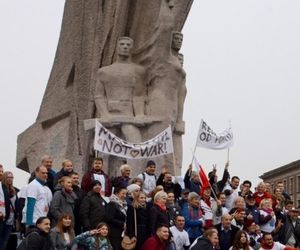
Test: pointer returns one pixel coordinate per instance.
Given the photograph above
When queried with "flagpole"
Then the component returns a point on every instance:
(212, 190)
(228, 149)
(228, 154)
(194, 151)
(174, 164)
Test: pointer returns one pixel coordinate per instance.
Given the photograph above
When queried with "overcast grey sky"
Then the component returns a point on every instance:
(242, 60)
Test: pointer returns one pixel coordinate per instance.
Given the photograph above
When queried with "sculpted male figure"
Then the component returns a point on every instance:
(120, 94)
(166, 93)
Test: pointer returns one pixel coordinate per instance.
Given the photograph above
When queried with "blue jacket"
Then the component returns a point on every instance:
(193, 221)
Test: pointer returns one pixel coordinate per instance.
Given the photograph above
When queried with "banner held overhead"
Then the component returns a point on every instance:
(108, 143)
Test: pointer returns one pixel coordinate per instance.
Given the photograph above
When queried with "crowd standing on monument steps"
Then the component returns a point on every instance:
(149, 211)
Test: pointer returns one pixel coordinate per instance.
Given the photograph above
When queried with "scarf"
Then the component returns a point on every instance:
(161, 206)
(69, 195)
(195, 213)
(122, 204)
(268, 210)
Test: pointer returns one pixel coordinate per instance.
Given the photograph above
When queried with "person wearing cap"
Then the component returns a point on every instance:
(253, 237)
(92, 209)
(183, 201)
(251, 209)
(289, 232)
(133, 191)
(149, 178)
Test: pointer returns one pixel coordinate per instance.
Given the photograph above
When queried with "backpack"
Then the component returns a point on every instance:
(144, 176)
(24, 243)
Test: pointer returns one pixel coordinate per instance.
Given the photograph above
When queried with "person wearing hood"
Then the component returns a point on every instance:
(92, 209)
(38, 237)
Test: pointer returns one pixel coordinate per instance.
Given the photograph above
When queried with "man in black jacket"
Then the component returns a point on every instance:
(80, 195)
(208, 241)
(165, 179)
(66, 170)
(92, 208)
(289, 232)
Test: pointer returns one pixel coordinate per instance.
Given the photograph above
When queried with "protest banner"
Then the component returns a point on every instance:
(108, 143)
(207, 138)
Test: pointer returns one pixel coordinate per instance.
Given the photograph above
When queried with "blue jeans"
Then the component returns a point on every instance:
(1, 235)
(5, 231)
(6, 234)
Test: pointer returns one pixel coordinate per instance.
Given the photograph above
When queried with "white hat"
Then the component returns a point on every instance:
(133, 187)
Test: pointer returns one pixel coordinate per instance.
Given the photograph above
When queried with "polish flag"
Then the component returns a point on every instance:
(202, 175)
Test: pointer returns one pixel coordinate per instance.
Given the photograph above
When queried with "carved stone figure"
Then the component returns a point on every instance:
(120, 91)
(120, 95)
(166, 87)
(179, 129)
(88, 39)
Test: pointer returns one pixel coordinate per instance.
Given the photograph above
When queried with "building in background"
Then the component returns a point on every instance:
(290, 176)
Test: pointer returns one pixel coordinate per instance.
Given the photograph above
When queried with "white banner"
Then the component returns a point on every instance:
(207, 138)
(108, 143)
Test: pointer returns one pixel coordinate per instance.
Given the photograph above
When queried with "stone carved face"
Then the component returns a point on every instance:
(177, 41)
(124, 47)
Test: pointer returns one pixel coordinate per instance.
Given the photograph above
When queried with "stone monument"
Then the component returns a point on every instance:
(86, 52)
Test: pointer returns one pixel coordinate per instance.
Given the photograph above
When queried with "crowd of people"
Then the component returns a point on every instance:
(150, 211)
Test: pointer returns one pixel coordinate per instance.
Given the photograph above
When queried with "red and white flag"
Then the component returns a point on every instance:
(202, 175)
